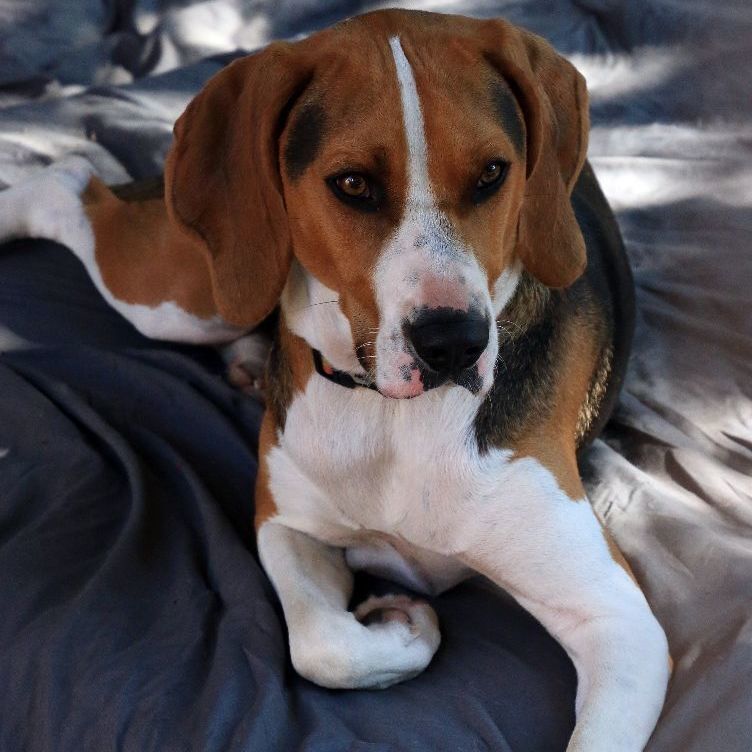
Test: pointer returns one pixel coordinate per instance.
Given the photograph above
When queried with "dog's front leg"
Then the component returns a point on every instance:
(550, 552)
(386, 640)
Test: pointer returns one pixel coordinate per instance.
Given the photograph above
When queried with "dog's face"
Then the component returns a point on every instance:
(403, 183)
(417, 163)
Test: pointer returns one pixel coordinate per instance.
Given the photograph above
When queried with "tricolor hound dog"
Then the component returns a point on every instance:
(410, 191)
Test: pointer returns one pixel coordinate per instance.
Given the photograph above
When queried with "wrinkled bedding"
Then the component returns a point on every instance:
(133, 612)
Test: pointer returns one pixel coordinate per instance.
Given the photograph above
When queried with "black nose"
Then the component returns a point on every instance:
(449, 341)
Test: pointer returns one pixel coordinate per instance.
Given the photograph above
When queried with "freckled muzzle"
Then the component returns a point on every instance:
(448, 344)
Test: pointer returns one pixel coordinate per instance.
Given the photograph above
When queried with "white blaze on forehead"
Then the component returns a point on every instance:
(417, 151)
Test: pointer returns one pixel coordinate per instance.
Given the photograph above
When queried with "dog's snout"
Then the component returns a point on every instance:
(449, 342)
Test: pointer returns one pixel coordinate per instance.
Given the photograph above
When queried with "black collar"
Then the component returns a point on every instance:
(327, 370)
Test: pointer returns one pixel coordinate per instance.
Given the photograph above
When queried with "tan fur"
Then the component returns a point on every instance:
(138, 251)
(554, 98)
(264, 501)
(552, 440)
(289, 372)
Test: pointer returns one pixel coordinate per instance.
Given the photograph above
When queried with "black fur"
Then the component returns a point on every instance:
(304, 140)
(528, 351)
(509, 115)
(610, 282)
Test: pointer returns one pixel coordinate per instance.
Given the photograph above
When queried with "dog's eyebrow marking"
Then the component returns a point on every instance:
(417, 152)
(304, 139)
(509, 116)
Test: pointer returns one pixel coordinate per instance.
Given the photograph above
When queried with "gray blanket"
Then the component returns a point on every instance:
(134, 613)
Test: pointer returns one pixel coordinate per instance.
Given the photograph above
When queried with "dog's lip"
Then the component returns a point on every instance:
(440, 381)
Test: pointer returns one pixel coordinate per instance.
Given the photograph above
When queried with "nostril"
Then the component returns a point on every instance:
(434, 355)
(472, 354)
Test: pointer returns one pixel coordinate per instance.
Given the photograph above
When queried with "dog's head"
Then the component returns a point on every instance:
(411, 164)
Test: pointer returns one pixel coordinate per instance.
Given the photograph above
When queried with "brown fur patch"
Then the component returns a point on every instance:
(290, 368)
(463, 135)
(140, 190)
(265, 506)
(144, 259)
(596, 393)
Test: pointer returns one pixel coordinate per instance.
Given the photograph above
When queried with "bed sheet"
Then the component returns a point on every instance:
(109, 442)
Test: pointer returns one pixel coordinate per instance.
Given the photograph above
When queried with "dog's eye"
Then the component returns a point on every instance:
(492, 174)
(354, 185)
(490, 179)
(355, 189)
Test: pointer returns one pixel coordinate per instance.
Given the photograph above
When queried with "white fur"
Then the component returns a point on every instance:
(504, 287)
(327, 642)
(49, 206)
(312, 311)
(356, 471)
(412, 119)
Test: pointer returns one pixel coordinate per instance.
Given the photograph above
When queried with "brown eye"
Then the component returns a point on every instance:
(492, 174)
(490, 180)
(354, 185)
(357, 191)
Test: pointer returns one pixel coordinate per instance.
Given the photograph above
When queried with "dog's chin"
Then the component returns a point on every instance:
(402, 388)
(398, 391)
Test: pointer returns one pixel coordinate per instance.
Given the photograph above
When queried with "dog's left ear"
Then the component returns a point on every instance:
(553, 97)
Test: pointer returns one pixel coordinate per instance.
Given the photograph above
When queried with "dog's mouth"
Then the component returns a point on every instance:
(416, 379)
(433, 348)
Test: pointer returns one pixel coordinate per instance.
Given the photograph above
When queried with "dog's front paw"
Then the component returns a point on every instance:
(412, 624)
(385, 641)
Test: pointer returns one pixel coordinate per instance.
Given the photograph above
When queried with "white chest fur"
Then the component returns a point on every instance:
(381, 477)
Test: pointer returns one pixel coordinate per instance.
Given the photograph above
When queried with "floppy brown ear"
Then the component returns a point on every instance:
(222, 183)
(553, 97)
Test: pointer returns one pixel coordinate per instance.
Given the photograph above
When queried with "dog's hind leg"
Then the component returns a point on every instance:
(142, 266)
(385, 641)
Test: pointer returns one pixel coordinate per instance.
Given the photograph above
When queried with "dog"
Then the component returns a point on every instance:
(410, 192)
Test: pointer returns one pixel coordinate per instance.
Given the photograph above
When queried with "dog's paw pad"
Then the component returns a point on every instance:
(417, 615)
(382, 615)
(246, 363)
(245, 379)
